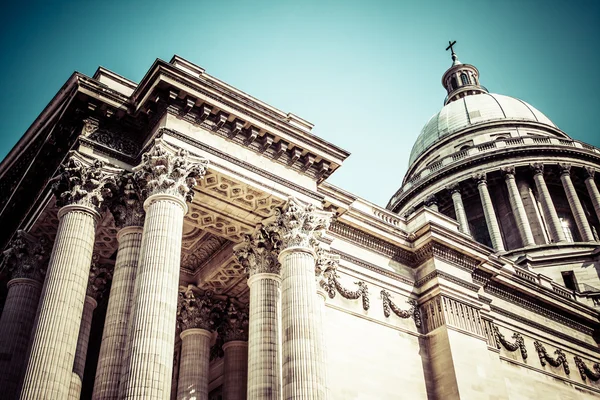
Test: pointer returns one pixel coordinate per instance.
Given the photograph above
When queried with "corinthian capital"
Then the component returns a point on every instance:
(480, 178)
(99, 279)
(126, 206)
(166, 170)
(257, 253)
(565, 168)
(235, 323)
(298, 225)
(83, 182)
(589, 172)
(537, 168)
(26, 257)
(326, 264)
(198, 309)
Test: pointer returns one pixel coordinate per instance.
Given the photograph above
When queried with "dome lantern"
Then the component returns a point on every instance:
(460, 79)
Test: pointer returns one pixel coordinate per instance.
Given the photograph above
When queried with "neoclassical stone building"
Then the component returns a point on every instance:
(177, 238)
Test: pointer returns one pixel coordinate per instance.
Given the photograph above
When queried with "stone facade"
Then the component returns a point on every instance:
(190, 247)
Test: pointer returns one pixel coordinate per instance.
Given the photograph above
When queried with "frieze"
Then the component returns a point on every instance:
(372, 267)
(561, 358)
(389, 306)
(585, 371)
(116, 141)
(519, 343)
(448, 277)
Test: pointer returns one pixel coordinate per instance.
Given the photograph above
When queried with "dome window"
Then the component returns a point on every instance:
(453, 83)
(465, 79)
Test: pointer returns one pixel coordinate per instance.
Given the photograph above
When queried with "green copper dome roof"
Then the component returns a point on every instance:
(471, 111)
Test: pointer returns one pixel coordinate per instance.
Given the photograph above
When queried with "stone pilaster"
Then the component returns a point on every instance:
(235, 349)
(518, 209)
(166, 176)
(129, 218)
(459, 209)
(432, 202)
(197, 316)
(592, 189)
(581, 220)
(550, 216)
(489, 213)
(296, 228)
(258, 255)
(80, 189)
(25, 259)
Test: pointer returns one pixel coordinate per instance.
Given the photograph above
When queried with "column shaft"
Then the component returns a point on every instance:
(490, 217)
(264, 363)
(594, 194)
(114, 337)
(550, 215)
(461, 215)
(151, 341)
(516, 204)
(235, 370)
(16, 325)
(193, 366)
(580, 219)
(82, 346)
(50, 365)
(303, 369)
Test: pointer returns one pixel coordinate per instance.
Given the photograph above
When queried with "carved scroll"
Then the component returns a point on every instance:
(585, 371)
(388, 305)
(332, 284)
(561, 358)
(518, 344)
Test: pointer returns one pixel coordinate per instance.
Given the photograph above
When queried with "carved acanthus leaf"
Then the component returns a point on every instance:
(585, 371)
(165, 170)
(561, 358)
(518, 344)
(235, 323)
(126, 206)
(257, 253)
(27, 256)
(99, 279)
(198, 309)
(413, 311)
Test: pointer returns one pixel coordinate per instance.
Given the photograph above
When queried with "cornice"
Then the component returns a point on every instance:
(372, 267)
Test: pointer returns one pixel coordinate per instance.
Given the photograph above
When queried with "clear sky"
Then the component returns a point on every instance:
(366, 73)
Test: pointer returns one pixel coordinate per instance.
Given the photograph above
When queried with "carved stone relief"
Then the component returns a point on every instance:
(389, 306)
(519, 343)
(561, 358)
(26, 256)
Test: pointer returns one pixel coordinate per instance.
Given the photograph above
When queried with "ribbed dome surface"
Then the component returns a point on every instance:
(470, 111)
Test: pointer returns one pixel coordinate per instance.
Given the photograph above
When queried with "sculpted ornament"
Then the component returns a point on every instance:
(388, 306)
(198, 310)
(589, 172)
(165, 170)
(82, 183)
(537, 168)
(518, 344)
(297, 225)
(26, 257)
(561, 358)
(585, 371)
(99, 279)
(257, 253)
(126, 206)
(480, 178)
(235, 323)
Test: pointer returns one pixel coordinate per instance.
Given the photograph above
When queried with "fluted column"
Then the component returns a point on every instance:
(432, 202)
(488, 212)
(167, 176)
(297, 226)
(518, 209)
(550, 216)
(257, 254)
(459, 209)
(129, 218)
(235, 349)
(197, 315)
(592, 189)
(50, 367)
(25, 258)
(581, 220)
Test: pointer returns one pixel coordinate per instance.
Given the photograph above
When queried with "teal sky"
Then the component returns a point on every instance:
(367, 74)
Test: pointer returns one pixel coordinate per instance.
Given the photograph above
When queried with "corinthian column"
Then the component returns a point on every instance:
(580, 218)
(99, 277)
(550, 215)
(166, 176)
(432, 202)
(197, 315)
(129, 219)
(488, 212)
(79, 190)
(459, 209)
(258, 255)
(235, 349)
(516, 204)
(25, 259)
(592, 189)
(296, 228)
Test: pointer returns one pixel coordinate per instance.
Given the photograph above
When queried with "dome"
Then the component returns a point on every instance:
(471, 111)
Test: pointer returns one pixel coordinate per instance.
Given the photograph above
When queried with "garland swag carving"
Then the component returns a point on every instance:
(332, 284)
(388, 305)
(518, 344)
(585, 371)
(561, 358)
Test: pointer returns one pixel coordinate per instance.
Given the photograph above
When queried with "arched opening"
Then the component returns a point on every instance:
(453, 83)
(465, 79)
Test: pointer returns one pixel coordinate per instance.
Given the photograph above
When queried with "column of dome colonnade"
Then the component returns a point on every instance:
(127, 210)
(235, 349)
(581, 220)
(297, 227)
(488, 211)
(459, 209)
(99, 278)
(198, 313)
(432, 202)
(80, 189)
(548, 209)
(592, 189)
(25, 258)
(166, 177)
(258, 255)
(518, 209)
